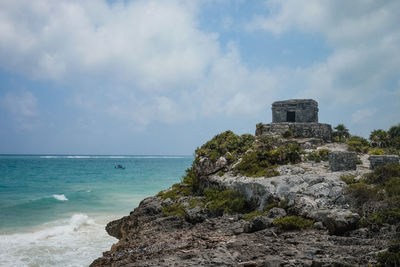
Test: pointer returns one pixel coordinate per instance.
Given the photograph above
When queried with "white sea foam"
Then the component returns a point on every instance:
(73, 242)
(61, 197)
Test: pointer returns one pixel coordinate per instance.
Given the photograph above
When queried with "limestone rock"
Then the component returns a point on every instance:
(276, 213)
(342, 161)
(319, 226)
(339, 222)
(259, 223)
(206, 167)
(195, 215)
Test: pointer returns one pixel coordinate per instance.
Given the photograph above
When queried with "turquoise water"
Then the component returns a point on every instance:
(46, 201)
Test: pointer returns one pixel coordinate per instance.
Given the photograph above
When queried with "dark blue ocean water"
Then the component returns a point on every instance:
(46, 199)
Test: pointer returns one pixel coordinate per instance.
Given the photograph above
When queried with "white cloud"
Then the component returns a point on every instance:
(154, 44)
(362, 116)
(145, 61)
(364, 36)
(22, 107)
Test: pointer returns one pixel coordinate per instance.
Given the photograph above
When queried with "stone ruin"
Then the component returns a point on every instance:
(380, 160)
(342, 161)
(295, 110)
(300, 116)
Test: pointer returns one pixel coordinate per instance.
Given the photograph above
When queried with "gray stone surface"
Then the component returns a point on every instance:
(300, 130)
(259, 223)
(379, 160)
(276, 213)
(339, 222)
(342, 161)
(295, 110)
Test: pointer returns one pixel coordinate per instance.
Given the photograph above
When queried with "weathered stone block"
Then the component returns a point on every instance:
(300, 130)
(295, 110)
(342, 161)
(379, 160)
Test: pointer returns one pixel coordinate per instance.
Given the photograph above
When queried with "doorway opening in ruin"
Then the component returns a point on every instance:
(291, 116)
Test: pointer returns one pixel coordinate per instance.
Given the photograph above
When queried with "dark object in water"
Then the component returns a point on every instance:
(119, 166)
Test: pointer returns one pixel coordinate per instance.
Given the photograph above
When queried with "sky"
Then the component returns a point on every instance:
(148, 77)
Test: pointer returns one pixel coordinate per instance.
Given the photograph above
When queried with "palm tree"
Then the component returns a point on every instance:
(394, 131)
(379, 138)
(341, 132)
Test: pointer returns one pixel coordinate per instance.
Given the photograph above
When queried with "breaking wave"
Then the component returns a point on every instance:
(73, 242)
(61, 197)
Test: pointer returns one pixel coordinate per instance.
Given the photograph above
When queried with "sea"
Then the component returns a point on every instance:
(54, 208)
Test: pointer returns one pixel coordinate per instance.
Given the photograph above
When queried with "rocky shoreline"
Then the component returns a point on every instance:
(179, 227)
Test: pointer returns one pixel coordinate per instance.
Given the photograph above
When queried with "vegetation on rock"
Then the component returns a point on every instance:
(349, 178)
(357, 144)
(225, 201)
(382, 186)
(383, 173)
(376, 151)
(177, 191)
(380, 141)
(391, 257)
(292, 223)
(340, 133)
(319, 155)
(175, 209)
(263, 160)
(226, 142)
(287, 134)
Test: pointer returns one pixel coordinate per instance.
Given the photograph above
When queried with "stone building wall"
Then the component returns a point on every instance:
(342, 161)
(295, 110)
(300, 130)
(379, 160)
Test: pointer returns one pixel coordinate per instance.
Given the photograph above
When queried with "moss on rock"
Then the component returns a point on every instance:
(176, 209)
(292, 223)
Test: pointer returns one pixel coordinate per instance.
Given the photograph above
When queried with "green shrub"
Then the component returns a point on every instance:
(262, 162)
(175, 209)
(266, 142)
(390, 216)
(376, 151)
(392, 187)
(191, 179)
(249, 216)
(379, 138)
(287, 134)
(319, 155)
(349, 178)
(226, 201)
(391, 257)
(264, 212)
(394, 131)
(194, 202)
(226, 142)
(340, 133)
(220, 173)
(362, 192)
(292, 223)
(357, 144)
(383, 173)
(177, 191)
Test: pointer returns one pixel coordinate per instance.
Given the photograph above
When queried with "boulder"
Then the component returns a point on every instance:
(339, 222)
(205, 166)
(259, 223)
(276, 213)
(195, 215)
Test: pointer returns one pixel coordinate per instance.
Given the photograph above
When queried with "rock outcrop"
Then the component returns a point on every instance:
(154, 236)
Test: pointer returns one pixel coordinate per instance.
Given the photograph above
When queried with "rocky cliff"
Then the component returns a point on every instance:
(258, 202)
